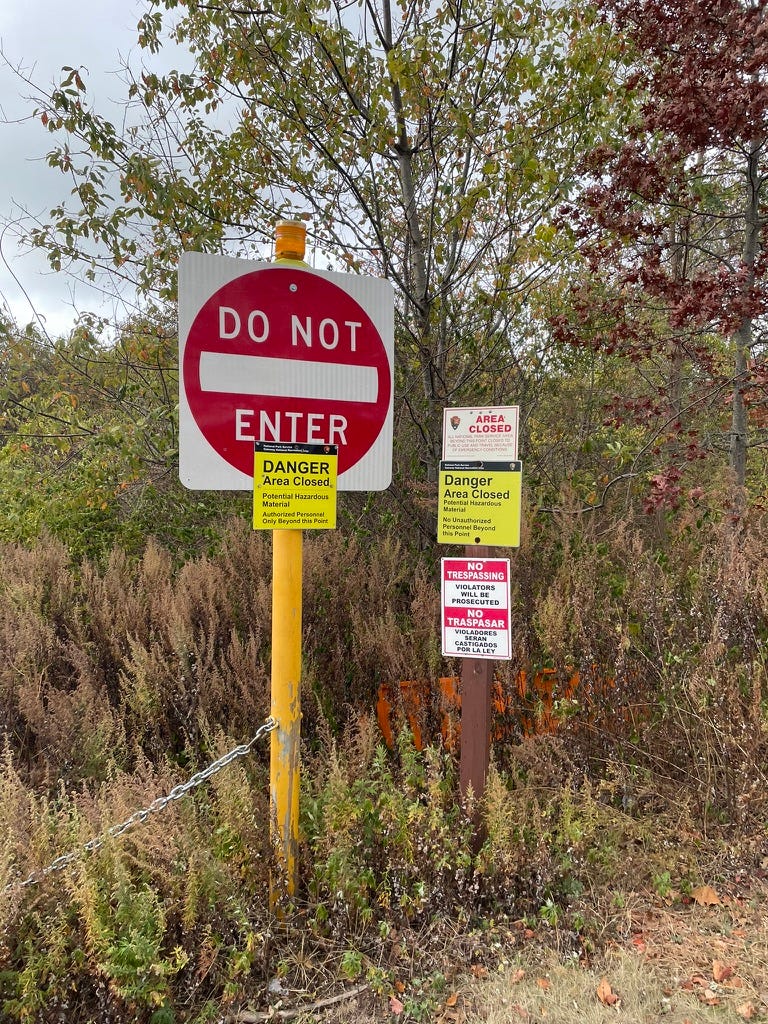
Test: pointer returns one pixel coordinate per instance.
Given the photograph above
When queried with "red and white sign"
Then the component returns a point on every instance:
(277, 352)
(475, 608)
(488, 434)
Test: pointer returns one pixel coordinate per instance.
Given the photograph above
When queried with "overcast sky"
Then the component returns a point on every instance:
(43, 36)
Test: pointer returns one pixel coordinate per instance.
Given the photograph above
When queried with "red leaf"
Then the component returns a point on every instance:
(721, 971)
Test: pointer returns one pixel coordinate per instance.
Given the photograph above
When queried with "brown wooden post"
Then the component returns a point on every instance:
(476, 685)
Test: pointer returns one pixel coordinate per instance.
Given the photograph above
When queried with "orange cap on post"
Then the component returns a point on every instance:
(290, 240)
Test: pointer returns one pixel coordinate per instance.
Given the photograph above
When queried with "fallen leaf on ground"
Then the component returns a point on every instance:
(705, 896)
(697, 979)
(518, 976)
(721, 971)
(479, 971)
(746, 1010)
(605, 993)
(543, 983)
(639, 943)
(709, 997)
(452, 999)
(395, 1006)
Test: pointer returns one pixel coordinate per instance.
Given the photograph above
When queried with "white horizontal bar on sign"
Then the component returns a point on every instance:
(287, 378)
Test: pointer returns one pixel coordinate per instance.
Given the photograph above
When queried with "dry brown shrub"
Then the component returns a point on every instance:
(102, 665)
(99, 666)
(680, 632)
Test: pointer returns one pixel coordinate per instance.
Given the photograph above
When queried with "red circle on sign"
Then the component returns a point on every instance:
(282, 354)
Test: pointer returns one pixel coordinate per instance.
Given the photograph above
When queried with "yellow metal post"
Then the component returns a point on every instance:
(286, 664)
(286, 707)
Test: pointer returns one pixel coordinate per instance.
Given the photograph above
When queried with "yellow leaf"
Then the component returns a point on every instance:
(605, 993)
(705, 896)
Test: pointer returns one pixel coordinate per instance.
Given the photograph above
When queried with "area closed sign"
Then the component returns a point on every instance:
(275, 352)
(294, 486)
(488, 433)
(479, 503)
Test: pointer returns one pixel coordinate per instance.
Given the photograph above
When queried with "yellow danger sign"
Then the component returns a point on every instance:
(294, 486)
(480, 503)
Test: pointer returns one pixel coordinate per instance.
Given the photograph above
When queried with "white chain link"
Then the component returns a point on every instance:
(141, 816)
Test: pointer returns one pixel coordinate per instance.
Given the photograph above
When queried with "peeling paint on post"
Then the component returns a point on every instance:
(286, 710)
(284, 754)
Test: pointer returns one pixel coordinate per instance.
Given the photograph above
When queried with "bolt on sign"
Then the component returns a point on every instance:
(475, 608)
(480, 503)
(294, 486)
(272, 352)
(489, 433)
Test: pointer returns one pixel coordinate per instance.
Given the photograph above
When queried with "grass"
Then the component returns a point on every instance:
(600, 828)
(677, 963)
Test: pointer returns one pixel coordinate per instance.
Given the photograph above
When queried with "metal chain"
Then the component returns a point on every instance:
(141, 816)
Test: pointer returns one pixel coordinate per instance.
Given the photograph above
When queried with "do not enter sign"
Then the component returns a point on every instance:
(278, 352)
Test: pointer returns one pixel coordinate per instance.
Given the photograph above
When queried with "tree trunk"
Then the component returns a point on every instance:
(678, 238)
(742, 338)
